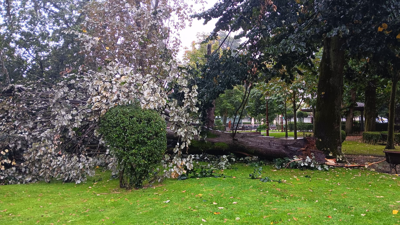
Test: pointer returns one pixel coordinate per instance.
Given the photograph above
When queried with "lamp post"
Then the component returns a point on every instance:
(266, 110)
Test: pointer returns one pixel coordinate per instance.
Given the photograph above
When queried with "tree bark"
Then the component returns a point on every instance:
(370, 106)
(329, 98)
(350, 114)
(4, 69)
(313, 120)
(211, 116)
(253, 144)
(224, 119)
(286, 126)
(392, 107)
(294, 116)
(266, 119)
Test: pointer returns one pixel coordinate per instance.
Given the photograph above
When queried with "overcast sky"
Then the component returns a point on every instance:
(189, 34)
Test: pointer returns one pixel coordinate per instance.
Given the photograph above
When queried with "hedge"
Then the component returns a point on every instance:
(138, 139)
(301, 126)
(343, 134)
(375, 137)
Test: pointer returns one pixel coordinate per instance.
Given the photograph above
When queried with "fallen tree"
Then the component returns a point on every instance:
(252, 144)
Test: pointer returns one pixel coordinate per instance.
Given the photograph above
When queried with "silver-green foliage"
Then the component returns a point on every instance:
(137, 137)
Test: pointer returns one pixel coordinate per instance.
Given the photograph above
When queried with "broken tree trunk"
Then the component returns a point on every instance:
(253, 144)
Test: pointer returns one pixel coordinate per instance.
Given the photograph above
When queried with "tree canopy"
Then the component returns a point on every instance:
(33, 41)
(287, 34)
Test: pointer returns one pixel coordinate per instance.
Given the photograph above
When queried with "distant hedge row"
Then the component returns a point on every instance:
(375, 137)
(300, 127)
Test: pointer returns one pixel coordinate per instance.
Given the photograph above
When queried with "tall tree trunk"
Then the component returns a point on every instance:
(370, 106)
(7, 80)
(224, 119)
(329, 98)
(350, 114)
(392, 107)
(266, 119)
(286, 126)
(313, 120)
(8, 8)
(210, 116)
(294, 116)
(211, 110)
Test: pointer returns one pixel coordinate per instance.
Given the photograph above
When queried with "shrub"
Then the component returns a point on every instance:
(301, 115)
(219, 125)
(372, 137)
(262, 127)
(344, 135)
(396, 137)
(137, 138)
(301, 126)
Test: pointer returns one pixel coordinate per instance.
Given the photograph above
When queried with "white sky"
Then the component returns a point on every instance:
(189, 34)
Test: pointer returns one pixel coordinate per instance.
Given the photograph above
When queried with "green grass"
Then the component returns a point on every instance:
(339, 196)
(278, 134)
(360, 148)
(300, 134)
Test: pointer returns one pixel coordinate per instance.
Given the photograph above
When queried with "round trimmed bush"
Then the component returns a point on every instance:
(137, 138)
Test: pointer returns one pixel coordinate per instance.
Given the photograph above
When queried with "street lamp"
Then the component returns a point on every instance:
(267, 122)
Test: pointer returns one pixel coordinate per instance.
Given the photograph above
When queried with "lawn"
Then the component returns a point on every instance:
(360, 148)
(338, 196)
(278, 134)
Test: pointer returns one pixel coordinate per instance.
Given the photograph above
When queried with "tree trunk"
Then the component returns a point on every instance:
(224, 119)
(210, 116)
(392, 107)
(266, 119)
(211, 110)
(294, 116)
(370, 106)
(286, 126)
(252, 144)
(350, 114)
(7, 80)
(329, 98)
(313, 120)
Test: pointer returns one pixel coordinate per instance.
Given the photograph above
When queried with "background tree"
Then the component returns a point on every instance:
(198, 52)
(227, 103)
(197, 59)
(301, 115)
(257, 105)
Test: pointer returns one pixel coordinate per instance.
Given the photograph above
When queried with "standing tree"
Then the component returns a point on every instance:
(227, 103)
(289, 32)
(258, 103)
(200, 59)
